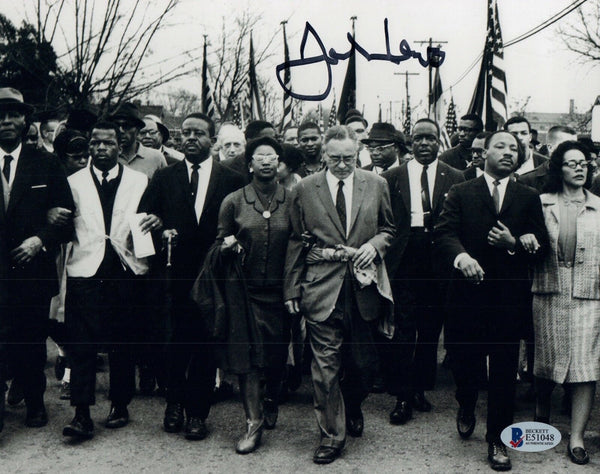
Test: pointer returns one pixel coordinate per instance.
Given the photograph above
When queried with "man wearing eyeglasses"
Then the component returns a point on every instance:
(187, 197)
(386, 146)
(154, 135)
(459, 156)
(133, 154)
(418, 189)
(346, 213)
(475, 167)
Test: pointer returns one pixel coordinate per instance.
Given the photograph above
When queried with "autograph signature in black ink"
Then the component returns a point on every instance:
(435, 58)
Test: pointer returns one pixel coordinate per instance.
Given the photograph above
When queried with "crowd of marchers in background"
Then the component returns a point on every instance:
(269, 254)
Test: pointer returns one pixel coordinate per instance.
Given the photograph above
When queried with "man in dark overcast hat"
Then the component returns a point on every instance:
(32, 183)
(386, 146)
(135, 155)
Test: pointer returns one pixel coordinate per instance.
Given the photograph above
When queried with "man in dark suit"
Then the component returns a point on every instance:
(417, 189)
(350, 207)
(520, 127)
(33, 182)
(187, 197)
(386, 147)
(475, 167)
(459, 156)
(490, 229)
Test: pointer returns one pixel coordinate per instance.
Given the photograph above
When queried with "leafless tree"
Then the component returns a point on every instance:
(107, 53)
(582, 34)
(179, 102)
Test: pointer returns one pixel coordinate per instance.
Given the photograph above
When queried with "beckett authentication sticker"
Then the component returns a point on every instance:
(530, 436)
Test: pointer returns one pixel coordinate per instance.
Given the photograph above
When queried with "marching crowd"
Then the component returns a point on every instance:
(252, 252)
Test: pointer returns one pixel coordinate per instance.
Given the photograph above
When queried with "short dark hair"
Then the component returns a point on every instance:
(474, 118)
(517, 119)
(107, 125)
(520, 149)
(206, 118)
(254, 128)
(254, 144)
(308, 126)
(428, 120)
(293, 157)
(554, 177)
(563, 129)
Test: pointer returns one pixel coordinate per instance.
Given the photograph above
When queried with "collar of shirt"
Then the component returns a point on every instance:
(112, 173)
(204, 167)
(379, 170)
(348, 188)
(16, 153)
(501, 187)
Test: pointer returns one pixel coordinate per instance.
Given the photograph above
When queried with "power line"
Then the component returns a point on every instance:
(553, 19)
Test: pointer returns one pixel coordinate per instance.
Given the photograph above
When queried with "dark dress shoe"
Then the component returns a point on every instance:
(147, 381)
(271, 412)
(118, 417)
(251, 440)
(355, 425)
(36, 417)
(173, 421)
(15, 393)
(401, 413)
(465, 423)
(498, 457)
(59, 367)
(578, 455)
(195, 429)
(80, 427)
(326, 454)
(420, 403)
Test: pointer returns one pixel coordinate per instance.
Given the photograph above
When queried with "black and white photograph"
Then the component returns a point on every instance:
(299, 236)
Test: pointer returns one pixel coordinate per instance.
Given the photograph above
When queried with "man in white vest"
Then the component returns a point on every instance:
(104, 279)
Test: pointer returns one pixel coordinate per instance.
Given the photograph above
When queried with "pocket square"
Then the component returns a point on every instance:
(38, 186)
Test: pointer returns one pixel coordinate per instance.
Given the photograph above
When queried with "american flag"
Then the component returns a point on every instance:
(490, 92)
(208, 105)
(320, 116)
(451, 125)
(407, 118)
(332, 114)
(287, 82)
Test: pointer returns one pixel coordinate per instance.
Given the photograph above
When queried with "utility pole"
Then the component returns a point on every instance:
(430, 94)
(406, 74)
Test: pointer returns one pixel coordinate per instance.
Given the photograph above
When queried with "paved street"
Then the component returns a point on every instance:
(428, 443)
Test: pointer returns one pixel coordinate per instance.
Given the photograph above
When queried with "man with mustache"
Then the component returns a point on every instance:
(490, 229)
(187, 197)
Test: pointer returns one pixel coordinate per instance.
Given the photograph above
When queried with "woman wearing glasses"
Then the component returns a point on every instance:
(253, 231)
(566, 288)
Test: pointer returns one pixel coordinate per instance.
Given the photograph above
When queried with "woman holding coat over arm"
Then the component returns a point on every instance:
(566, 292)
(253, 232)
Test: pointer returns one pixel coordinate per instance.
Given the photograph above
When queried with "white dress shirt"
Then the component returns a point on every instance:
(203, 178)
(414, 182)
(501, 187)
(377, 170)
(347, 189)
(13, 164)
(112, 173)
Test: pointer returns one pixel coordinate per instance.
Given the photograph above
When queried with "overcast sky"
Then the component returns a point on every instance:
(539, 67)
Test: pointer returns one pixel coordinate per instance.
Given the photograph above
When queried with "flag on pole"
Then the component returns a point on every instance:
(379, 117)
(489, 98)
(287, 82)
(208, 106)
(320, 116)
(237, 115)
(254, 98)
(348, 97)
(451, 125)
(332, 114)
(299, 115)
(437, 103)
(407, 117)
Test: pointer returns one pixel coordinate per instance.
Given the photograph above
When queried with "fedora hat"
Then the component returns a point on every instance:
(164, 131)
(128, 111)
(12, 99)
(384, 132)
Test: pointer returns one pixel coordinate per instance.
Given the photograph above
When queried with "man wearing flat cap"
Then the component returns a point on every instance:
(155, 134)
(32, 183)
(133, 154)
(386, 146)
(417, 189)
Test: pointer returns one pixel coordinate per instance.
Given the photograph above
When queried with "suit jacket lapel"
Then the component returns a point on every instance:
(508, 196)
(214, 181)
(358, 192)
(404, 188)
(183, 183)
(22, 179)
(439, 184)
(486, 196)
(325, 197)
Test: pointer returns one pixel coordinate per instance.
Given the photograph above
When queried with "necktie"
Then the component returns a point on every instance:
(340, 205)
(6, 167)
(104, 180)
(194, 180)
(425, 199)
(496, 196)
